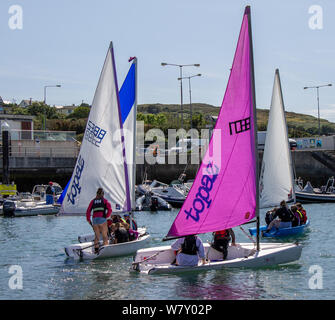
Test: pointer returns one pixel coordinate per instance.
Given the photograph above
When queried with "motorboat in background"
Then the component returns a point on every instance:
(151, 202)
(309, 194)
(39, 191)
(175, 193)
(31, 204)
(25, 208)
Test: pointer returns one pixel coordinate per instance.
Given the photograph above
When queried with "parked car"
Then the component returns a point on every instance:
(188, 144)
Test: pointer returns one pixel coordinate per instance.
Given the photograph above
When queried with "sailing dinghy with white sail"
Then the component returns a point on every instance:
(225, 193)
(107, 158)
(276, 178)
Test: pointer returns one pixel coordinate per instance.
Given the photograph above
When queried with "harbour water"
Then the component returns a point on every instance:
(35, 244)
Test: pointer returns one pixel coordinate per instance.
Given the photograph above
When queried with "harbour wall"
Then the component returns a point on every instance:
(315, 166)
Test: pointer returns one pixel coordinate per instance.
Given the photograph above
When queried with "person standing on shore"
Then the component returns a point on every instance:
(101, 212)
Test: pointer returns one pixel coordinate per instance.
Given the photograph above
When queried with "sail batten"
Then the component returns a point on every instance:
(223, 194)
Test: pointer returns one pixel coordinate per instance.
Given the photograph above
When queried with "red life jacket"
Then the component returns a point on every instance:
(302, 212)
(99, 208)
(223, 234)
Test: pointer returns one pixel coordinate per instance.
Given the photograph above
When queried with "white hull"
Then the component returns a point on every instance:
(46, 209)
(85, 250)
(243, 255)
(90, 237)
(307, 197)
(25, 208)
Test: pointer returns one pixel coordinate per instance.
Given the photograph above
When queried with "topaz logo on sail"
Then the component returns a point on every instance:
(75, 187)
(203, 196)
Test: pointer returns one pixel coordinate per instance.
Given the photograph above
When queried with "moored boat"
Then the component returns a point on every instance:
(28, 208)
(308, 194)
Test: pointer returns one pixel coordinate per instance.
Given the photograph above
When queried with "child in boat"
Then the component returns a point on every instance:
(132, 229)
(120, 233)
(133, 224)
(301, 210)
(188, 251)
(296, 219)
(269, 215)
(284, 218)
(221, 241)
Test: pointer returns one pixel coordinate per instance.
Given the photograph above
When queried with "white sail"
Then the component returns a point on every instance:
(276, 179)
(101, 162)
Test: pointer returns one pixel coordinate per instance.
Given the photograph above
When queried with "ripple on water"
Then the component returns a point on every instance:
(37, 244)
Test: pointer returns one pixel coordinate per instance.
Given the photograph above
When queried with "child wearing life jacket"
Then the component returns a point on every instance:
(301, 211)
(221, 241)
(269, 215)
(296, 218)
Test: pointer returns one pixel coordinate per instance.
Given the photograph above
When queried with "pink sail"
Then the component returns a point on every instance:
(224, 193)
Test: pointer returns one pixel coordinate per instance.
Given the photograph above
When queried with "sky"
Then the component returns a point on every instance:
(65, 42)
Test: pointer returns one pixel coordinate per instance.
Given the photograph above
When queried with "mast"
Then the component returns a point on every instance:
(134, 153)
(248, 11)
(135, 116)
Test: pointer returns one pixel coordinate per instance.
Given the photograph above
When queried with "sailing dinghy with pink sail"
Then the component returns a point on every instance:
(225, 191)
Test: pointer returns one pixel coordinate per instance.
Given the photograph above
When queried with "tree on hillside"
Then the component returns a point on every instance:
(161, 119)
(327, 130)
(140, 117)
(313, 131)
(39, 108)
(80, 112)
(198, 121)
(153, 109)
(18, 110)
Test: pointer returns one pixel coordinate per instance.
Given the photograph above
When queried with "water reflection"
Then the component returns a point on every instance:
(220, 285)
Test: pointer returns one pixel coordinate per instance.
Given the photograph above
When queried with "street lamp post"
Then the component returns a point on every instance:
(5, 152)
(189, 86)
(45, 100)
(317, 95)
(181, 82)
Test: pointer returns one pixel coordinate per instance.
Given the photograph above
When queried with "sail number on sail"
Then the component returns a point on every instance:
(94, 134)
(239, 126)
(203, 195)
(75, 187)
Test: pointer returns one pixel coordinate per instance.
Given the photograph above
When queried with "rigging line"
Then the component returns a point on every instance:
(248, 235)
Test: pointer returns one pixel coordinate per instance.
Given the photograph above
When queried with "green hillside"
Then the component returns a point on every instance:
(299, 125)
